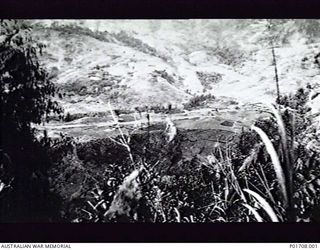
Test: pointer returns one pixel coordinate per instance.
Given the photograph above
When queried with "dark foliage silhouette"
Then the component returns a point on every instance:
(25, 99)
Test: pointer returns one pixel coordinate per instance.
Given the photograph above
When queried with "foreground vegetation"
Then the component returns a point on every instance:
(271, 173)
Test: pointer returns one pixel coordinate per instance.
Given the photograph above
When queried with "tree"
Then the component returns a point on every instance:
(26, 98)
(271, 27)
(26, 92)
(270, 33)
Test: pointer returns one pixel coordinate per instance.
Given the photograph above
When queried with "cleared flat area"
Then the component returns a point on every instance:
(223, 121)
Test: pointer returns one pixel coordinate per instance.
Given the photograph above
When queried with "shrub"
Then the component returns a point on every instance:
(198, 101)
(207, 80)
(136, 43)
(229, 54)
(164, 74)
(68, 118)
(81, 30)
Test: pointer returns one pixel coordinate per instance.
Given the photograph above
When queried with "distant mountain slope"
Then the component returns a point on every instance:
(95, 71)
(150, 63)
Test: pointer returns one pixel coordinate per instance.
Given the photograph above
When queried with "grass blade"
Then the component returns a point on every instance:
(178, 216)
(287, 151)
(254, 212)
(264, 204)
(275, 161)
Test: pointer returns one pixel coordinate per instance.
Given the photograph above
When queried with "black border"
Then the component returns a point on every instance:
(163, 233)
(164, 9)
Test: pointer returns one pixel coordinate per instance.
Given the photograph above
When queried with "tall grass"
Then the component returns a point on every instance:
(275, 161)
(283, 166)
(288, 158)
(284, 171)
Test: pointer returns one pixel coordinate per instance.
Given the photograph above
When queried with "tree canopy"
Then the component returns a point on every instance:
(26, 92)
(26, 98)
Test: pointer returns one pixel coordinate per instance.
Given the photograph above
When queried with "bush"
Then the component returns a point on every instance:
(230, 55)
(68, 118)
(207, 80)
(198, 101)
(80, 30)
(164, 74)
(131, 41)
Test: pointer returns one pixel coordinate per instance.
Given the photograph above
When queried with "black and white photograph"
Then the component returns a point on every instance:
(160, 120)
